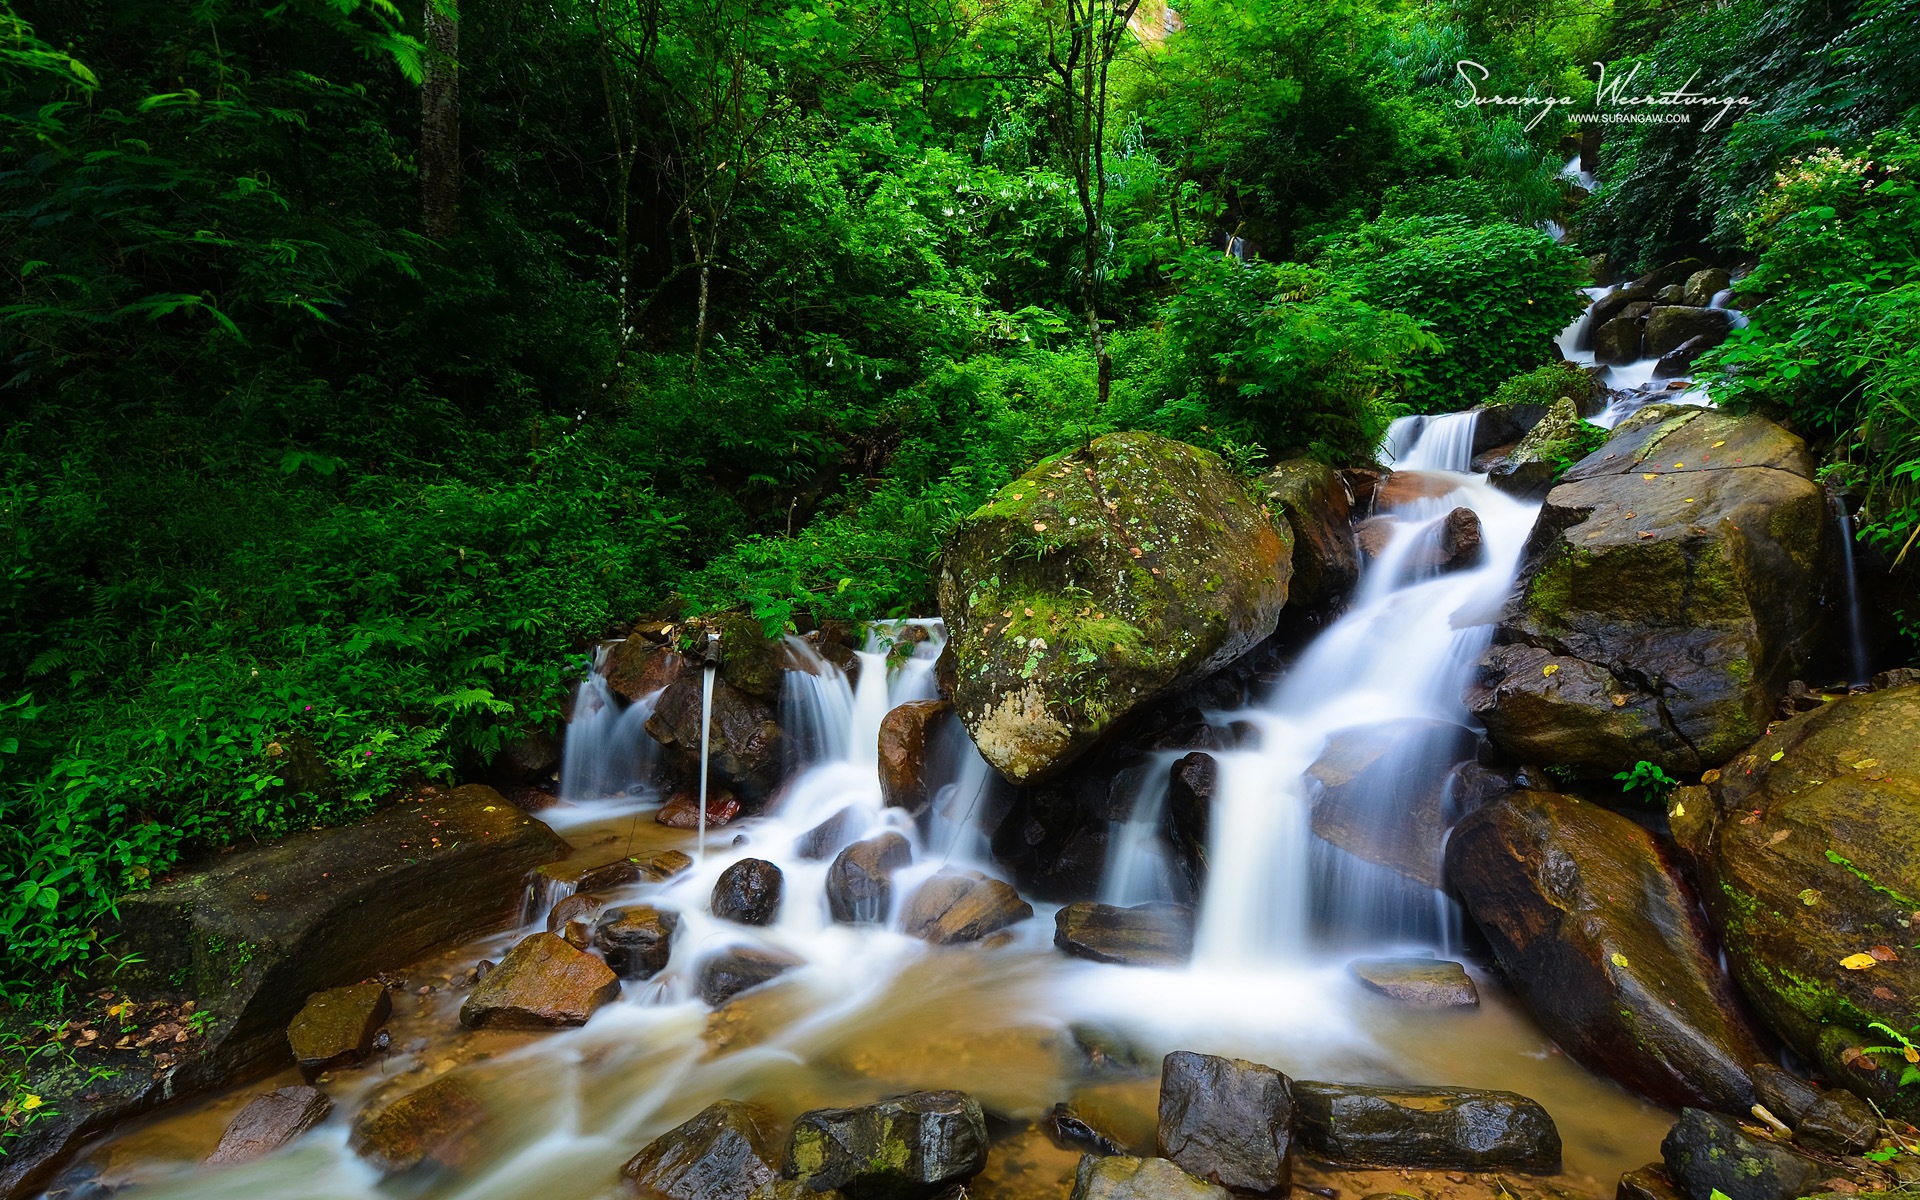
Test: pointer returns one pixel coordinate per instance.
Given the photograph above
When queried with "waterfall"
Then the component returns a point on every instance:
(1138, 868)
(1436, 443)
(816, 708)
(706, 744)
(607, 751)
(1858, 665)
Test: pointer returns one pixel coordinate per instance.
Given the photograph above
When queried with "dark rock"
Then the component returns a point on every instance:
(1190, 813)
(1381, 794)
(962, 906)
(1142, 566)
(269, 1122)
(1673, 293)
(726, 1152)
(825, 839)
(1458, 541)
(541, 983)
(1787, 1096)
(750, 661)
(1659, 618)
(860, 881)
(1590, 918)
(1678, 361)
(904, 734)
(1703, 285)
(439, 1124)
(1558, 440)
(1147, 935)
(637, 941)
(1419, 982)
(1498, 425)
(1069, 1128)
(1227, 1121)
(747, 743)
(1838, 1123)
(910, 1148)
(580, 906)
(1123, 1178)
(1459, 1129)
(748, 892)
(1671, 326)
(733, 971)
(607, 876)
(1618, 341)
(1897, 678)
(336, 1027)
(531, 757)
(683, 810)
(639, 667)
(1708, 1152)
(1650, 1182)
(1313, 499)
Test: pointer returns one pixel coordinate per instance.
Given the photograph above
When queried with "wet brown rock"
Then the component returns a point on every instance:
(1228, 1121)
(962, 906)
(1123, 1178)
(1401, 488)
(739, 968)
(1650, 1182)
(860, 881)
(1373, 534)
(1190, 813)
(542, 982)
(748, 892)
(269, 1122)
(747, 744)
(336, 1027)
(1457, 544)
(1838, 1123)
(638, 667)
(1313, 499)
(726, 1152)
(1787, 1096)
(1590, 918)
(1463, 1129)
(914, 1147)
(828, 837)
(1395, 766)
(1419, 982)
(904, 734)
(439, 1125)
(683, 811)
(1147, 935)
(637, 941)
(580, 906)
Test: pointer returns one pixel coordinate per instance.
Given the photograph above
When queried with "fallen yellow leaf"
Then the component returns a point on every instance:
(1649, 477)
(1859, 962)
(1719, 444)
(1712, 776)
(1550, 668)
(1864, 763)
(1776, 756)
(29, 1102)
(1679, 810)
(1619, 959)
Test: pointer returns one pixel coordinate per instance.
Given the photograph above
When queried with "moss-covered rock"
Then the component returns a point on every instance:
(1313, 499)
(1097, 581)
(1559, 440)
(1668, 594)
(1810, 850)
(911, 1148)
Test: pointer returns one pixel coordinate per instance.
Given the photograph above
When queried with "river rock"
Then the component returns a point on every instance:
(1787, 1096)
(1190, 814)
(1120, 1177)
(1838, 1123)
(747, 743)
(1402, 488)
(1496, 425)
(1096, 583)
(904, 734)
(1588, 915)
(541, 983)
(1703, 285)
(1146, 935)
(636, 940)
(1380, 795)
(439, 1124)
(726, 1152)
(1558, 440)
(1810, 845)
(336, 1027)
(1669, 326)
(1458, 1129)
(828, 837)
(1650, 1182)
(638, 667)
(1618, 341)
(860, 881)
(1667, 595)
(749, 660)
(269, 1122)
(1372, 535)
(1418, 982)
(1314, 500)
(739, 968)
(1457, 542)
(682, 811)
(962, 906)
(1228, 1121)
(1678, 361)
(910, 1148)
(1708, 1152)
(748, 892)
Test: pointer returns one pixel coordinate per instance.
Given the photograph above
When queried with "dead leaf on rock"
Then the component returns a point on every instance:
(1859, 962)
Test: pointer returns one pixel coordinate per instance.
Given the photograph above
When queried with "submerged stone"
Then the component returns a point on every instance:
(1146, 935)
(438, 1125)
(1419, 982)
(335, 1028)
(269, 1122)
(910, 1148)
(733, 971)
(962, 906)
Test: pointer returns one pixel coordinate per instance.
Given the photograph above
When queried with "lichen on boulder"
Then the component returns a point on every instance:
(1096, 582)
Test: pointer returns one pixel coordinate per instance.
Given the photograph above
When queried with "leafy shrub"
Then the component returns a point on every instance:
(1545, 384)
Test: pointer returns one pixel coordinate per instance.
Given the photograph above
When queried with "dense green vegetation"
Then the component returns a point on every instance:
(310, 492)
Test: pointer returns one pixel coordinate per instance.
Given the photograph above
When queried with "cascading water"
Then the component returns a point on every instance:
(706, 742)
(607, 751)
(1858, 663)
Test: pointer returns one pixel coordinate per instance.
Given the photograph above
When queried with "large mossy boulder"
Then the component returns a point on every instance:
(1668, 594)
(1588, 915)
(1097, 582)
(910, 1148)
(1326, 560)
(1809, 846)
(1559, 439)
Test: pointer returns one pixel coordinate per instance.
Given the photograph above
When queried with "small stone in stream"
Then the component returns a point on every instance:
(1678, 361)
(1228, 1121)
(748, 892)
(608, 876)
(636, 941)
(1650, 1182)
(1459, 544)
(1462, 1129)
(1146, 935)
(439, 1123)
(577, 907)
(668, 863)
(1123, 1178)
(541, 983)
(962, 906)
(1069, 1128)
(733, 971)
(1709, 1152)
(577, 934)
(860, 881)
(1405, 487)
(904, 736)
(269, 1122)
(336, 1027)
(825, 839)
(909, 1148)
(683, 811)
(724, 1153)
(1786, 1096)
(1420, 982)
(1838, 1123)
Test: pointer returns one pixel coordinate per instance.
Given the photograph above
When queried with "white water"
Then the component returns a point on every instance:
(706, 748)
(607, 752)
(1857, 659)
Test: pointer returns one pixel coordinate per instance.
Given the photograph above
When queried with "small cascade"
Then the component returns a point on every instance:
(607, 752)
(1573, 172)
(1576, 340)
(816, 708)
(706, 742)
(1139, 868)
(1859, 666)
(1430, 443)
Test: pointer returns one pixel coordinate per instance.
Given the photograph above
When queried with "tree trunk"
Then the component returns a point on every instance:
(440, 121)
